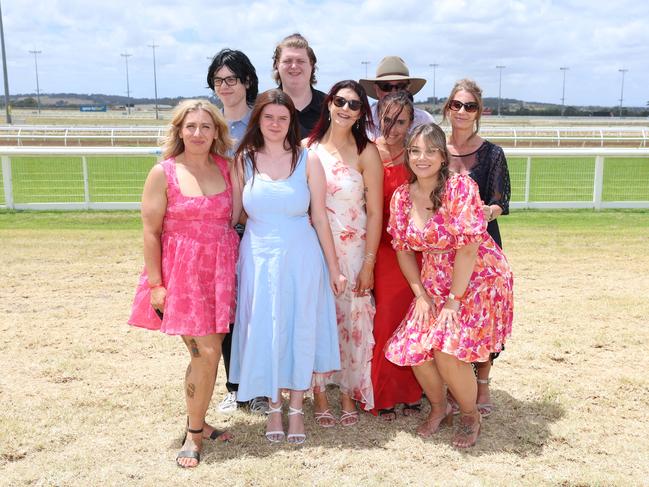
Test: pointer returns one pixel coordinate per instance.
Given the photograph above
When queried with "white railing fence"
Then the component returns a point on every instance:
(512, 136)
(108, 178)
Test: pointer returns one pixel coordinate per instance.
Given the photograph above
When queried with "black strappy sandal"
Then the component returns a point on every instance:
(388, 414)
(196, 455)
(411, 409)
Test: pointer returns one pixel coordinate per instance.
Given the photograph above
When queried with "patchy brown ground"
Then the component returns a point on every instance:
(86, 400)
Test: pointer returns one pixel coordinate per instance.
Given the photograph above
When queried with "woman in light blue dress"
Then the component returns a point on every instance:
(288, 270)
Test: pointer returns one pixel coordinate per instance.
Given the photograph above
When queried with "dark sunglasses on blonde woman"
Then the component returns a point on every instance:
(340, 102)
(456, 106)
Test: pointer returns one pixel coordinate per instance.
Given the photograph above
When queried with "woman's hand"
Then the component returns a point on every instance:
(487, 212)
(158, 296)
(338, 283)
(364, 280)
(449, 314)
(423, 308)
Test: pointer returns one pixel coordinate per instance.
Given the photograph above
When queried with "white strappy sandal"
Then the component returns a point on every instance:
(295, 438)
(276, 436)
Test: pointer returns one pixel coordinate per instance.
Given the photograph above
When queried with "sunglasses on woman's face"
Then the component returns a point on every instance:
(456, 106)
(354, 105)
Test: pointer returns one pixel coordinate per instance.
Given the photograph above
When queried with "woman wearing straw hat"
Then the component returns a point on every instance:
(392, 74)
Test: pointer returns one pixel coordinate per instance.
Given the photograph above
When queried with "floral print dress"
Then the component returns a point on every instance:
(486, 311)
(354, 314)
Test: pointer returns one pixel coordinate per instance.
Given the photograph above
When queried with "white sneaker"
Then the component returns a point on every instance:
(259, 405)
(229, 403)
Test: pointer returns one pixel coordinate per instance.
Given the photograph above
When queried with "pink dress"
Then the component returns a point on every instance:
(354, 314)
(486, 312)
(199, 254)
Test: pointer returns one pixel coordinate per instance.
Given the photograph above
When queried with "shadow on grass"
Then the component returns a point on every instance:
(518, 427)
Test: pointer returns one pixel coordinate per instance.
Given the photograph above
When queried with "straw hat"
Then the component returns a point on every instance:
(392, 68)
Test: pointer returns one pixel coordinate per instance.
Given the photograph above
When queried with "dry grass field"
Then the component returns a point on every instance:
(85, 400)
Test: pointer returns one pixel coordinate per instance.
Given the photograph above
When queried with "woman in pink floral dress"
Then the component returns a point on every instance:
(354, 204)
(463, 306)
(187, 287)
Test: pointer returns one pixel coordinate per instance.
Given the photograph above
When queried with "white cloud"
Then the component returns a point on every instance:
(81, 43)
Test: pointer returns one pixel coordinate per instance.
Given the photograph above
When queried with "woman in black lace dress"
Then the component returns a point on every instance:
(486, 164)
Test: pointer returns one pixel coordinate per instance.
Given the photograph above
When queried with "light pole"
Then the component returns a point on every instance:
(128, 88)
(563, 90)
(155, 81)
(434, 66)
(38, 89)
(366, 63)
(500, 83)
(622, 70)
(4, 69)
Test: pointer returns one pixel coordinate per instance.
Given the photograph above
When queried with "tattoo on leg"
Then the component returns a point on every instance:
(189, 371)
(194, 346)
(191, 388)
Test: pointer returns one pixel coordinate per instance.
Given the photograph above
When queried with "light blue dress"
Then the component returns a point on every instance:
(285, 326)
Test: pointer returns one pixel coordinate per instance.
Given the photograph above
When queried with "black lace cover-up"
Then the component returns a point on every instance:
(487, 166)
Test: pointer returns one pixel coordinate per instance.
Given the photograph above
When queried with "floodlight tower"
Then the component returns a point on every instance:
(434, 66)
(500, 83)
(128, 88)
(4, 70)
(622, 70)
(366, 63)
(38, 89)
(155, 80)
(563, 90)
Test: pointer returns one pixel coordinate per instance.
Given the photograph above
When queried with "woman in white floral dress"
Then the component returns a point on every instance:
(354, 205)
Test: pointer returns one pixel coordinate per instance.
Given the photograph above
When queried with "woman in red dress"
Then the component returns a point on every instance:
(392, 384)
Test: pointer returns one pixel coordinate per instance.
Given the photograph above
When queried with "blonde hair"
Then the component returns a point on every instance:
(471, 87)
(172, 144)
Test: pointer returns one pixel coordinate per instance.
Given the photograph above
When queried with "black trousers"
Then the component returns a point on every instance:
(226, 349)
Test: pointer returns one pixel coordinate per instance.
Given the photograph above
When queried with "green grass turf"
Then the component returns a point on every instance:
(572, 179)
(59, 179)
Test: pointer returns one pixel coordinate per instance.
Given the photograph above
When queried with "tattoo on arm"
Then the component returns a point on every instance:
(191, 388)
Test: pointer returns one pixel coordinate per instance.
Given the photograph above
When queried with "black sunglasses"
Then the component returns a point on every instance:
(456, 106)
(354, 105)
(386, 86)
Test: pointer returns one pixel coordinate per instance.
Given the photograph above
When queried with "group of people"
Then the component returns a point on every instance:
(368, 257)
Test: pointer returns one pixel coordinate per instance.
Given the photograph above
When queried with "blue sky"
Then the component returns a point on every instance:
(81, 42)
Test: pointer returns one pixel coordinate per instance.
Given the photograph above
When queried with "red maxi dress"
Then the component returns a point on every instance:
(392, 384)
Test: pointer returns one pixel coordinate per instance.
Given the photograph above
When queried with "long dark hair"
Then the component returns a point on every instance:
(359, 129)
(433, 136)
(253, 140)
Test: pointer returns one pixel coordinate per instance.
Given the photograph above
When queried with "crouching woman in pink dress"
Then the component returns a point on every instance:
(463, 306)
(190, 252)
